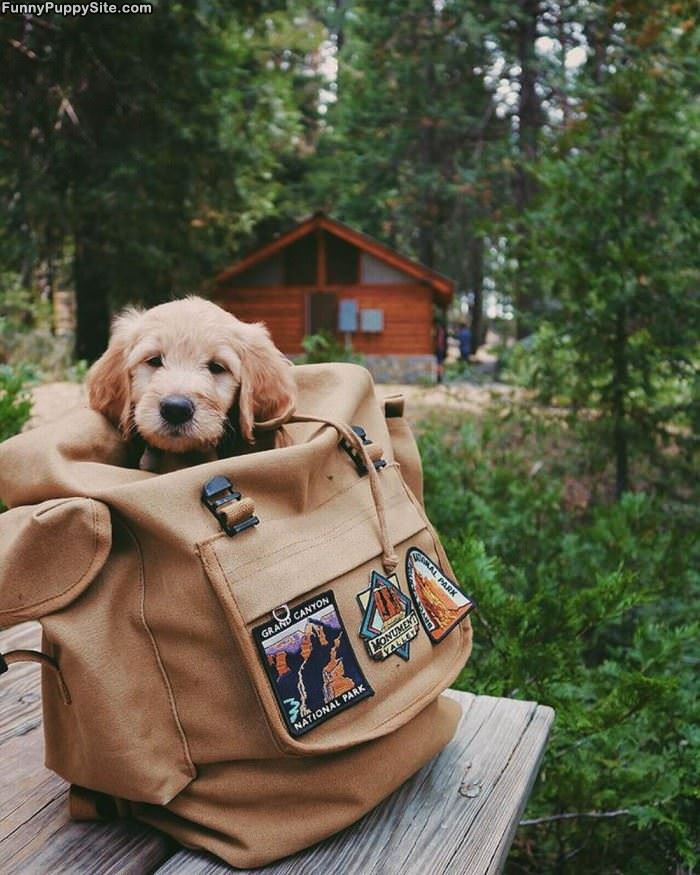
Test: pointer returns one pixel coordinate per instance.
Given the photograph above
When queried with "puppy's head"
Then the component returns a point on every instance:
(175, 374)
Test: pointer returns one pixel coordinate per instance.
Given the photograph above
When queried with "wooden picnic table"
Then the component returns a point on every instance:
(456, 815)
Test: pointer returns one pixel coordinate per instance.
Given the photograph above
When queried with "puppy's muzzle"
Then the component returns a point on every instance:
(176, 409)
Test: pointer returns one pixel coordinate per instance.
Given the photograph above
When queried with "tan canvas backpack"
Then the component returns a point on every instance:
(247, 654)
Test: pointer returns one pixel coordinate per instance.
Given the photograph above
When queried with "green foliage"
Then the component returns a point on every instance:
(615, 245)
(323, 347)
(26, 338)
(15, 400)
(457, 371)
(590, 607)
(147, 152)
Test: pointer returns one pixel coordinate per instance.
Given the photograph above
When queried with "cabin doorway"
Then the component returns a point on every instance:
(321, 312)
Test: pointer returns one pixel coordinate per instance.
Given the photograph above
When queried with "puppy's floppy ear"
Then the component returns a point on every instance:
(267, 388)
(108, 380)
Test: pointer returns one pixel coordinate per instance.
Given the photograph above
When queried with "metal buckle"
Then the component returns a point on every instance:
(355, 456)
(218, 492)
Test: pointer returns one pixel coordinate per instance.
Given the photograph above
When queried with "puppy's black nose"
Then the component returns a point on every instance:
(176, 409)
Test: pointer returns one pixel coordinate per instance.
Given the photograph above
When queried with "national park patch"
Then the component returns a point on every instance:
(440, 602)
(310, 663)
(389, 623)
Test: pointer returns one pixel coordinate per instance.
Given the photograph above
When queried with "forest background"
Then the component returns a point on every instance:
(546, 156)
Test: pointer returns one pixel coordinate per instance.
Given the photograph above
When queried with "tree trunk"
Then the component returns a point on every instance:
(529, 123)
(476, 270)
(427, 218)
(340, 8)
(619, 410)
(91, 298)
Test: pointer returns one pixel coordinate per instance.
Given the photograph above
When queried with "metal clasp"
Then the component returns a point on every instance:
(355, 456)
(216, 494)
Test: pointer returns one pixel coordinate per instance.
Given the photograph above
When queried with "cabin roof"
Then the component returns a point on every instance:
(320, 221)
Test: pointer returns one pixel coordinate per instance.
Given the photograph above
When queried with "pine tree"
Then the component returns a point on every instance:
(616, 240)
(146, 151)
(411, 151)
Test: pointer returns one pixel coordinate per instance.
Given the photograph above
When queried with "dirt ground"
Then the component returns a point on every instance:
(53, 400)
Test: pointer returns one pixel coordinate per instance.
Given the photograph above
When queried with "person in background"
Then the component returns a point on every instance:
(440, 346)
(464, 336)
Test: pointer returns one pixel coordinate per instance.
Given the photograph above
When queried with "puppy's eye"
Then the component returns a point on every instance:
(215, 367)
(155, 361)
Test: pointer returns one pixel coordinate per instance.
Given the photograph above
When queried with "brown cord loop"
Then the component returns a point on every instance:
(15, 656)
(374, 451)
(389, 558)
(276, 421)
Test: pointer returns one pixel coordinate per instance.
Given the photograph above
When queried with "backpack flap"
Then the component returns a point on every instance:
(334, 644)
(50, 553)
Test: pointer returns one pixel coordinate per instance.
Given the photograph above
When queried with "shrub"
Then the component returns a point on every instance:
(324, 347)
(15, 400)
(588, 606)
(457, 371)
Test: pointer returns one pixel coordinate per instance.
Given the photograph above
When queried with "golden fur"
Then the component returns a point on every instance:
(194, 350)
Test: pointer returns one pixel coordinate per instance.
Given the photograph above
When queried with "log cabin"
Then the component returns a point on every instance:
(325, 276)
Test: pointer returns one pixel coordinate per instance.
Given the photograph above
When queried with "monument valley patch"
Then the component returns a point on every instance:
(389, 623)
(440, 602)
(310, 663)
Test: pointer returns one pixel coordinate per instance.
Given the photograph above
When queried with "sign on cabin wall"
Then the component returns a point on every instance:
(347, 316)
(372, 321)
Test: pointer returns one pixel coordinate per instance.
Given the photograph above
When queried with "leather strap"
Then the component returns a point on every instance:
(394, 406)
(14, 656)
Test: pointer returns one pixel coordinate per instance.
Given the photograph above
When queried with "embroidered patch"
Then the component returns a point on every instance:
(310, 663)
(441, 603)
(389, 623)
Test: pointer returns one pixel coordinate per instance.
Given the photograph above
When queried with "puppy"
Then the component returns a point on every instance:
(186, 382)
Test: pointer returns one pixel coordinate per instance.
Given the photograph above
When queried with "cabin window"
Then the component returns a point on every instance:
(376, 272)
(300, 262)
(267, 273)
(342, 261)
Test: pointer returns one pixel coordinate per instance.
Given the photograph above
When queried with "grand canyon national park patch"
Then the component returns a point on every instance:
(310, 663)
(389, 623)
(440, 602)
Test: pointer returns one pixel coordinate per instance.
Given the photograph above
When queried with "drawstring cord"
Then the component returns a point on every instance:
(389, 558)
(277, 423)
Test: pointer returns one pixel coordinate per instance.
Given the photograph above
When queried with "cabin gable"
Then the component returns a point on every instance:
(324, 276)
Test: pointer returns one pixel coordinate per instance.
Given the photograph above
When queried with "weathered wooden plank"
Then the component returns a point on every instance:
(119, 848)
(457, 815)
(36, 834)
(26, 786)
(197, 863)
(515, 786)
(20, 695)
